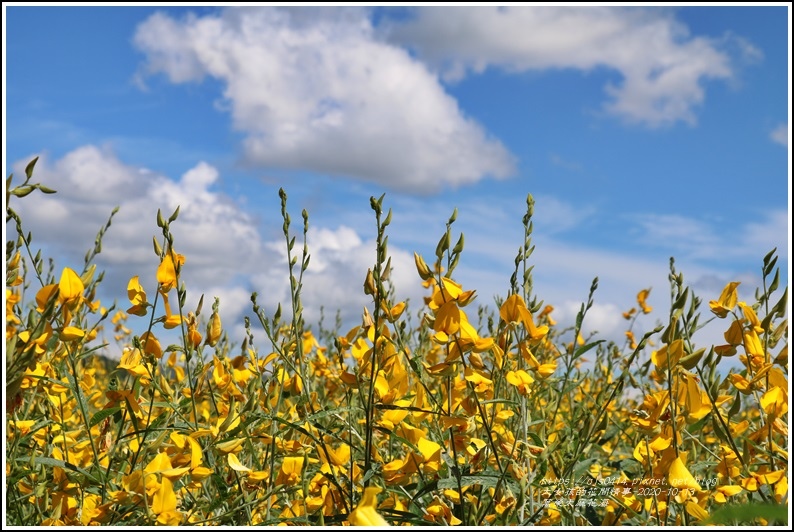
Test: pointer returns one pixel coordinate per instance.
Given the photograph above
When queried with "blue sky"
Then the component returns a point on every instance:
(643, 133)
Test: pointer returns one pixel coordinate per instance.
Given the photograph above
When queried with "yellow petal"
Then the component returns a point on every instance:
(44, 294)
(231, 446)
(509, 310)
(693, 509)
(727, 300)
(235, 464)
(448, 318)
(428, 448)
(174, 473)
(70, 285)
(753, 344)
(365, 513)
(195, 453)
(771, 478)
(258, 476)
(135, 292)
(71, 333)
(679, 476)
(164, 499)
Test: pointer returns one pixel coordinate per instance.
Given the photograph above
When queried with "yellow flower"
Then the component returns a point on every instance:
(514, 310)
(366, 513)
(137, 297)
(290, 473)
(641, 299)
(521, 380)
(727, 300)
(214, 329)
(723, 492)
(70, 287)
(437, 511)
(166, 272)
(678, 476)
(775, 402)
(164, 504)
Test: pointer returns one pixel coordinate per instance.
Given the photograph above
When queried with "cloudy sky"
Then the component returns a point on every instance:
(642, 133)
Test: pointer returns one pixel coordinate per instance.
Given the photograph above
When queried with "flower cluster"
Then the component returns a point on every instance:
(472, 416)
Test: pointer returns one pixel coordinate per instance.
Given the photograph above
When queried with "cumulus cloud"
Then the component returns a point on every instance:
(662, 65)
(780, 135)
(317, 90)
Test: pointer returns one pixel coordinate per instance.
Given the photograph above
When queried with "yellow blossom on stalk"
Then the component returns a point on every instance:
(391, 418)
(669, 355)
(290, 472)
(44, 295)
(366, 513)
(137, 296)
(775, 402)
(151, 345)
(231, 446)
(164, 504)
(171, 320)
(696, 511)
(515, 310)
(70, 287)
(166, 272)
(447, 322)
(439, 512)
(695, 401)
(727, 300)
(470, 339)
(741, 383)
(430, 455)
(722, 493)
(444, 292)
(753, 344)
(132, 361)
(642, 297)
(632, 341)
(71, 333)
(678, 476)
(482, 384)
(734, 336)
(521, 380)
(547, 310)
(193, 336)
(214, 329)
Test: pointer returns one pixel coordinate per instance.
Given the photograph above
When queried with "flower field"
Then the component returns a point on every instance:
(448, 414)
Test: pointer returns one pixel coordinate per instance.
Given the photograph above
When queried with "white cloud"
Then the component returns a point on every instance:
(780, 135)
(698, 239)
(316, 90)
(663, 67)
(226, 255)
(756, 239)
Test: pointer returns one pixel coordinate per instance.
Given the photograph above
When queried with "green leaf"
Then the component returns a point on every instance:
(585, 348)
(54, 462)
(29, 167)
(102, 415)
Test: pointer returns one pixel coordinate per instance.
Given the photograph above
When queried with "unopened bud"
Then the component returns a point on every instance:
(421, 267)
